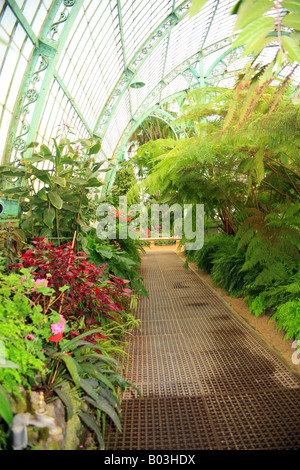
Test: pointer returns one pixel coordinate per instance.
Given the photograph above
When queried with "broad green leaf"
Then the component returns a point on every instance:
(257, 45)
(65, 398)
(96, 148)
(49, 216)
(66, 172)
(92, 370)
(196, 6)
(103, 360)
(291, 5)
(254, 31)
(236, 7)
(55, 199)
(112, 399)
(59, 180)
(103, 405)
(57, 153)
(98, 165)
(86, 142)
(20, 191)
(34, 159)
(42, 175)
(91, 423)
(5, 407)
(37, 201)
(94, 182)
(74, 341)
(84, 384)
(31, 145)
(72, 368)
(45, 150)
(78, 181)
(12, 172)
(292, 21)
(292, 48)
(42, 194)
(28, 221)
(249, 11)
(106, 253)
(69, 207)
(45, 232)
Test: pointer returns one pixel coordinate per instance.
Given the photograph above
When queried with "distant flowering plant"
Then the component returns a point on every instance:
(90, 291)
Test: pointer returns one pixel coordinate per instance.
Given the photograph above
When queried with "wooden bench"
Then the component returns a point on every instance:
(153, 240)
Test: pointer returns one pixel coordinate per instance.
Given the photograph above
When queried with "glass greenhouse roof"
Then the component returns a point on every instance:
(72, 63)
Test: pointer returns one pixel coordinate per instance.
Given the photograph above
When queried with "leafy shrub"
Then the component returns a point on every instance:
(91, 293)
(272, 243)
(227, 264)
(287, 317)
(63, 203)
(204, 258)
(25, 325)
(12, 242)
(43, 350)
(93, 372)
(118, 261)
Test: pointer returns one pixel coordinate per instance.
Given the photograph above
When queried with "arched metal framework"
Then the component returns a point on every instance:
(67, 65)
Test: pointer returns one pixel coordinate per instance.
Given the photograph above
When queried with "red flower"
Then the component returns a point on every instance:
(56, 338)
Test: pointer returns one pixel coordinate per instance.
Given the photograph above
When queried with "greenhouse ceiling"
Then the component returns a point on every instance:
(74, 64)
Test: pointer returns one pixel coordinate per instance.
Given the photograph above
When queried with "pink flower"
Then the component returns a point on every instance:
(22, 279)
(59, 327)
(39, 283)
(9, 223)
(31, 337)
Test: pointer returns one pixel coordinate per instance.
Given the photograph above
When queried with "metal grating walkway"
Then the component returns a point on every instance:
(207, 380)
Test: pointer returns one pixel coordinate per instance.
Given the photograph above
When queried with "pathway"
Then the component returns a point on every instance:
(207, 380)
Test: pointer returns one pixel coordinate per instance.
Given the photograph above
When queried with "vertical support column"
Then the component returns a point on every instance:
(40, 70)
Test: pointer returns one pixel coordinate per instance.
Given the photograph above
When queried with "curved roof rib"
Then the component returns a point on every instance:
(67, 65)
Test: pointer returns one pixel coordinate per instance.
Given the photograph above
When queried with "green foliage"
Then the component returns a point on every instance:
(12, 243)
(204, 258)
(259, 23)
(227, 264)
(58, 199)
(271, 242)
(5, 407)
(122, 258)
(93, 372)
(287, 317)
(23, 330)
(124, 180)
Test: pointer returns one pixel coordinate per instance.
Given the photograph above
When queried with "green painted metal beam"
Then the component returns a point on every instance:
(43, 62)
(210, 22)
(143, 111)
(195, 58)
(72, 102)
(136, 62)
(22, 20)
(156, 114)
(51, 70)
